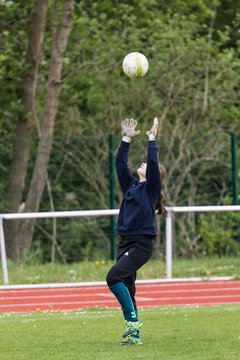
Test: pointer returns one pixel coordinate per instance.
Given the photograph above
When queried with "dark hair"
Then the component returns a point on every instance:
(160, 205)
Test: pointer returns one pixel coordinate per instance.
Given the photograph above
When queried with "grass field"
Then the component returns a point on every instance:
(97, 270)
(187, 333)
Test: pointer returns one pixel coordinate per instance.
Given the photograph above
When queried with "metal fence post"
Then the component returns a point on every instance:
(112, 195)
(235, 178)
(169, 244)
(3, 254)
(234, 168)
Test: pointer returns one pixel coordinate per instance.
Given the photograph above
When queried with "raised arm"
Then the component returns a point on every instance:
(153, 172)
(124, 176)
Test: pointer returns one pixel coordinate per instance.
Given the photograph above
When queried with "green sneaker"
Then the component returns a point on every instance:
(132, 327)
(131, 340)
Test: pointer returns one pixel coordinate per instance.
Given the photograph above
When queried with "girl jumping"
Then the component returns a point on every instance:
(136, 224)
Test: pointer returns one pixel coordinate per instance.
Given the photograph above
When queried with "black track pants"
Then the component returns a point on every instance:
(133, 252)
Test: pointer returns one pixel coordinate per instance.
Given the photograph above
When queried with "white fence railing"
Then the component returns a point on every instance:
(65, 214)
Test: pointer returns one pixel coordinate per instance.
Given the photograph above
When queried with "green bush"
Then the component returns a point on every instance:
(220, 234)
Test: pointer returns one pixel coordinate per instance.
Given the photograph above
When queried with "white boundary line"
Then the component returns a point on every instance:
(72, 293)
(97, 283)
(93, 302)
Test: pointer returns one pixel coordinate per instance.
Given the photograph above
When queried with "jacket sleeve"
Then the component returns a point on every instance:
(153, 172)
(124, 176)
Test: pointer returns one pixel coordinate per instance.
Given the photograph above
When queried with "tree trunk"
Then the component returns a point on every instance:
(26, 227)
(22, 141)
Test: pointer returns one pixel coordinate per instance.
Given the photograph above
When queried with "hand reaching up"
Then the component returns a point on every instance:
(154, 129)
(128, 128)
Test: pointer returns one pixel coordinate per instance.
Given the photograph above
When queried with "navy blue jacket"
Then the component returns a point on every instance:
(137, 211)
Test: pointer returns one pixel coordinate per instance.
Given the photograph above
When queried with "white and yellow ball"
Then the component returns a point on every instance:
(135, 65)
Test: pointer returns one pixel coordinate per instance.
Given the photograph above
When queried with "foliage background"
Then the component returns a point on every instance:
(192, 86)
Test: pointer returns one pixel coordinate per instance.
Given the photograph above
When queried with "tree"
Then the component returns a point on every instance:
(23, 237)
(195, 107)
(25, 123)
(191, 85)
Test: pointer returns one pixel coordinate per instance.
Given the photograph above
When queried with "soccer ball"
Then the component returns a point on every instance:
(135, 65)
